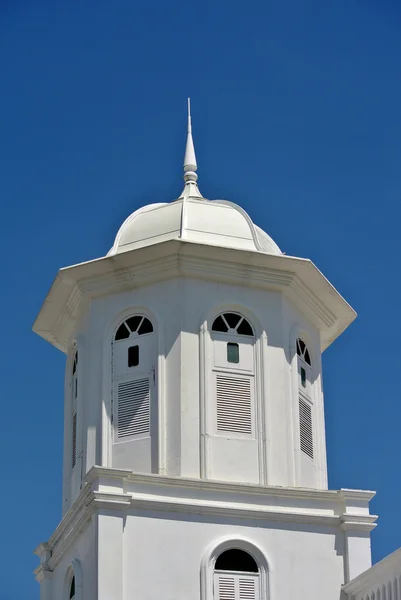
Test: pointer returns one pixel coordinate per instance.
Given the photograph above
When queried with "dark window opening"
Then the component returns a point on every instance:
(75, 363)
(219, 325)
(303, 352)
(232, 353)
(72, 588)
(303, 377)
(146, 327)
(122, 332)
(133, 323)
(133, 356)
(232, 319)
(300, 347)
(76, 388)
(244, 328)
(236, 560)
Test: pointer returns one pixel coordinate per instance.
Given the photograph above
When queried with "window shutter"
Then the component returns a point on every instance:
(248, 587)
(74, 440)
(236, 587)
(133, 398)
(225, 585)
(234, 404)
(305, 427)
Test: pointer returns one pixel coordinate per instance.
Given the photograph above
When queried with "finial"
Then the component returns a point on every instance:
(190, 166)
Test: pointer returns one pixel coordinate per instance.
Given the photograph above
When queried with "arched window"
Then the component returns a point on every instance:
(72, 589)
(133, 378)
(305, 400)
(236, 576)
(74, 402)
(232, 323)
(233, 375)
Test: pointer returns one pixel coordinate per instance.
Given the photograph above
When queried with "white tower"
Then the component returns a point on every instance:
(194, 454)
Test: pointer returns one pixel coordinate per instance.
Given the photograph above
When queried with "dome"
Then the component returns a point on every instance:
(213, 222)
(192, 218)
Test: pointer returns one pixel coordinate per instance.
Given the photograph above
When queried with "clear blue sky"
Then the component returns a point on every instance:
(296, 109)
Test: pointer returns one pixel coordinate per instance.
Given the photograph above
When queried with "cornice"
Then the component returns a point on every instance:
(119, 491)
(358, 495)
(238, 511)
(42, 573)
(298, 279)
(358, 522)
(125, 475)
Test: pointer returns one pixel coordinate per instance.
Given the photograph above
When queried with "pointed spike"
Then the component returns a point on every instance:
(190, 158)
(191, 189)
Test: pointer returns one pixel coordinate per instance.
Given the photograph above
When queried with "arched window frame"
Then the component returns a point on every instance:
(306, 417)
(133, 327)
(215, 550)
(262, 413)
(73, 572)
(107, 382)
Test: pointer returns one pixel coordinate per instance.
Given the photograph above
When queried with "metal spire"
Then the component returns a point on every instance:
(190, 167)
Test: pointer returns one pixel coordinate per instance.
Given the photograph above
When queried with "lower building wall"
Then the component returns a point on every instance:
(164, 555)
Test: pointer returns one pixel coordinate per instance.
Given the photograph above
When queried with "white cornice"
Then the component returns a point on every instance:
(121, 490)
(298, 279)
(225, 486)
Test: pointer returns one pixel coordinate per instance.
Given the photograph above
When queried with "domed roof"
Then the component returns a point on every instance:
(214, 222)
(192, 218)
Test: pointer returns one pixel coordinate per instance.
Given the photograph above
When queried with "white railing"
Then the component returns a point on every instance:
(380, 582)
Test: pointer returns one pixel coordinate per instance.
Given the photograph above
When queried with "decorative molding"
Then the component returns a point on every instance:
(127, 476)
(238, 501)
(358, 522)
(298, 279)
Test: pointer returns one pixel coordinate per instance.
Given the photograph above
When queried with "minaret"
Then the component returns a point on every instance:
(194, 454)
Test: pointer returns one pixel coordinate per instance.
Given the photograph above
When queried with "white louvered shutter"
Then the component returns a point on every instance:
(234, 404)
(133, 408)
(306, 427)
(228, 586)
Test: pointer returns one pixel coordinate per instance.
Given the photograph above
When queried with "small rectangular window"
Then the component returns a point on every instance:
(133, 356)
(303, 377)
(232, 353)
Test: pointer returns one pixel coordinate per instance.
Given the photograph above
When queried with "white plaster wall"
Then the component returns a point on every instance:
(163, 556)
(178, 308)
(83, 550)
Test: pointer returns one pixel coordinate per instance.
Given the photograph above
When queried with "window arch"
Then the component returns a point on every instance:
(136, 325)
(303, 352)
(236, 576)
(72, 588)
(133, 374)
(230, 322)
(236, 560)
(74, 411)
(305, 399)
